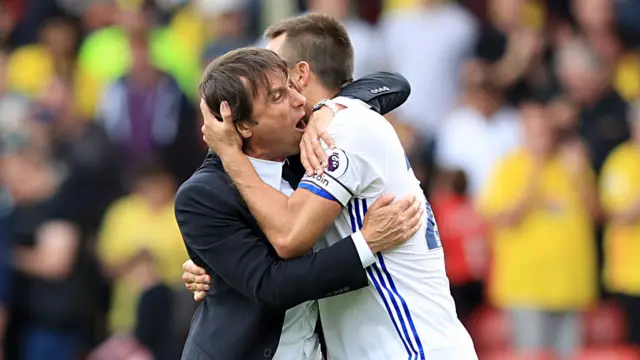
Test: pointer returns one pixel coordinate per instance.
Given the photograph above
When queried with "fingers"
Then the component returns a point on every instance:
(199, 296)
(311, 144)
(194, 287)
(303, 158)
(321, 155)
(414, 220)
(324, 136)
(413, 210)
(316, 163)
(190, 267)
(188, 278)
(225, 112)
(405, 203)
(203, 130)
(204, 108)
(195, 278)
(382, 201)
(196, 282)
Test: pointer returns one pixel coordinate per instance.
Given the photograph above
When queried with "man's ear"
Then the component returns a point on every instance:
(244, 130)
(301, 74)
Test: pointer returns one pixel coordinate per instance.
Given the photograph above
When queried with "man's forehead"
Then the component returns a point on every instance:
(274, 80)
(277, 79)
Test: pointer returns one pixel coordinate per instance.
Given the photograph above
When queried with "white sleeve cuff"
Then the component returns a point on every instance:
(366, 256)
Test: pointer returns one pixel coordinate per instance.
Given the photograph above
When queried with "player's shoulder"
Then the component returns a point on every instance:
(356, 106)
(358, 120)
(357, 117)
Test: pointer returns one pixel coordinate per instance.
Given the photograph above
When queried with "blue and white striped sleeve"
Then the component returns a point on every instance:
(338, 181)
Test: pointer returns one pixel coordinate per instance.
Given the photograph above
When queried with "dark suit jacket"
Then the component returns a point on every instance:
(251, 287)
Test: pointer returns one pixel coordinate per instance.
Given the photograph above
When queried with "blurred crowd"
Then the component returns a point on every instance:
(523, 126)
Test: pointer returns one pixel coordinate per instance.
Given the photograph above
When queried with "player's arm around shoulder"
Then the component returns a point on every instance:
(321, 196)
(245, 261)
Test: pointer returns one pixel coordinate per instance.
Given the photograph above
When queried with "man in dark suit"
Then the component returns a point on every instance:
(244, 315)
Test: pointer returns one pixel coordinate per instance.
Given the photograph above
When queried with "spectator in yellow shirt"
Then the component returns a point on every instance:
(620, 196)
(543, 242)
(32, 67)
(142, 221)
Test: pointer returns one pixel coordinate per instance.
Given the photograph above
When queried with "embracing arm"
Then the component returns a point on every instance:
(292, 224)
(383, 91)
(304, 216)
(233, 251)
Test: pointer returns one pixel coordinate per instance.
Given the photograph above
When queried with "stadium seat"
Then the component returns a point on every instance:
(604, 325)
(515, 355)
(608, 353)
(489, 329)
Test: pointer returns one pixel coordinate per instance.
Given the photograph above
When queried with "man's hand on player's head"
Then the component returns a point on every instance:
(313, 157)
(388, 225)
(220, 136)
(196, 280)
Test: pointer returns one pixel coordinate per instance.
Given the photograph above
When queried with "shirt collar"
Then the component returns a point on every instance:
(269, 171)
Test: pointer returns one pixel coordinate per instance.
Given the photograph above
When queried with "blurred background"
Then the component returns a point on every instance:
(523, 126)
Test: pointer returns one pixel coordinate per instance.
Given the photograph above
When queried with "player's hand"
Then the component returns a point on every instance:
(388, 225)
(196, 280)
(220, 136)
(313, 156)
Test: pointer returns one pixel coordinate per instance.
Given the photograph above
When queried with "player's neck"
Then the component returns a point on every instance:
(316, 92)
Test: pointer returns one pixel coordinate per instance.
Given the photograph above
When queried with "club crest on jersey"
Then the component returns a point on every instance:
(337, 162)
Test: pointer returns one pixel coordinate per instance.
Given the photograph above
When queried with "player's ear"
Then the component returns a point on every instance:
(302, 73)
(244, 129)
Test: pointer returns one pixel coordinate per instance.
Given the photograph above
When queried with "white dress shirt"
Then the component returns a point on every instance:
(299, 340)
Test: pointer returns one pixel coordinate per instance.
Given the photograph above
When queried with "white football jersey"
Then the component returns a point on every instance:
(407, 311)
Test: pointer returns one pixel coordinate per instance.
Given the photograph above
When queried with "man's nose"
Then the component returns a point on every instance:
(297, 99)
